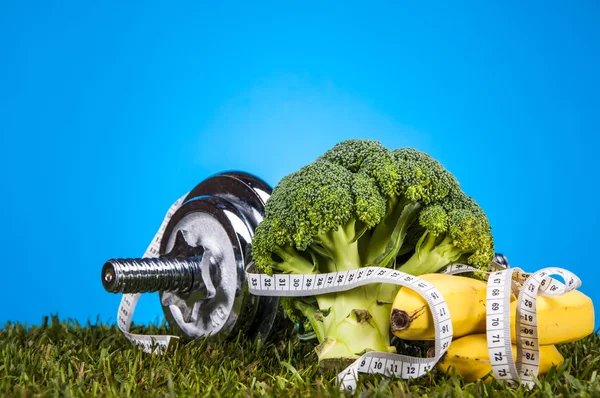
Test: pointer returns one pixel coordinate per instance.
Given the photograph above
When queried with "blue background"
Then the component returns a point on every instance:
(110, 112)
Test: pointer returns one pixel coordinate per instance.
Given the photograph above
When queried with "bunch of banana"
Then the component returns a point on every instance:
(560, 319)
(468, 357)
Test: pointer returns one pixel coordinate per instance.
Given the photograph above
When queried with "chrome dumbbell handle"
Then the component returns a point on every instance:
(149, 275)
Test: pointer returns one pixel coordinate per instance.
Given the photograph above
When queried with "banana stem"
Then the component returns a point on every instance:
(400, 320)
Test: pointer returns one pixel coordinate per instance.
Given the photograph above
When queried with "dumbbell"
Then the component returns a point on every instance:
(199, 272)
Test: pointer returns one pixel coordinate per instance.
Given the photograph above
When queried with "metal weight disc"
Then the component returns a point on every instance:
(249, 194)
(246, 191)
(216, 226)
(220, 214)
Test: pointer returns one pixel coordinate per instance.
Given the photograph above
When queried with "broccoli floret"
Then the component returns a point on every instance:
(447, 234)
(360, 204)
(314, 211)
(421, 180)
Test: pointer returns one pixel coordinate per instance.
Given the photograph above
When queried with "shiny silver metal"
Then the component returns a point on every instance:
(501, 259)
(216, 225)
(200, 272)
(149, 275)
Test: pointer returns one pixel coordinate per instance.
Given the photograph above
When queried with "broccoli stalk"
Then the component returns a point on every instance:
(359, 205)
(344, 322)
(358, 320)
(339, 246)
(388, 236)
(432, 254)
(347, 322)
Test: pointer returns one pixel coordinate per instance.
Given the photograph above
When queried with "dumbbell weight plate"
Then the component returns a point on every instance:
(221, 214)
(249, 194)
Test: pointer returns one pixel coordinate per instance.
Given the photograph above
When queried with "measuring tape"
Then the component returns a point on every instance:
(401, 366)
(499, 288)
(527, 286)
(149, 343)
(500, 284)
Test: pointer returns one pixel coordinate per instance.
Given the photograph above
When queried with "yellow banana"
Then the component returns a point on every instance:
(469, 358)
(411, 316)
(560, 319)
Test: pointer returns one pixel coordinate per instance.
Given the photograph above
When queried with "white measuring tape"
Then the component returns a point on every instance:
(148, 343)
(401, 366)
(500, 284)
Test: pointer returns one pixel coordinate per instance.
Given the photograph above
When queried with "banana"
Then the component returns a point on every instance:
(469, 358)
(560, 319)
(411, 317)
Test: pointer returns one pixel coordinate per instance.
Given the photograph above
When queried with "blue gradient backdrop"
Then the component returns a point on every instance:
(109, 112)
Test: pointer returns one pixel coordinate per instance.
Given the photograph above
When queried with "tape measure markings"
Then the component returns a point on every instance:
(526, 318)
(401, 366)
(528, 359)
(498, 327)
(498, 320)
(498, 294)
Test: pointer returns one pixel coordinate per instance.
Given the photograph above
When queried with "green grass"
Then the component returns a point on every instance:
(63, 358)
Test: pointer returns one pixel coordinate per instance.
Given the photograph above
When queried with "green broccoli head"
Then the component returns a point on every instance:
(369, 204)
(422, 181)
(423, 178)
(370, 158)
(434, 219)
(360, 204)
(470, 230)
(319, 211)
(448, 231)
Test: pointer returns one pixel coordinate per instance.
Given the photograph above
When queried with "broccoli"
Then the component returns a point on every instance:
(358, 205)
(456, 229)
